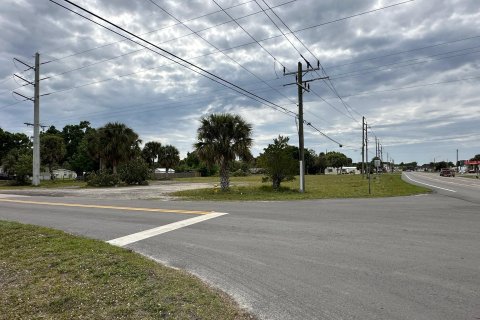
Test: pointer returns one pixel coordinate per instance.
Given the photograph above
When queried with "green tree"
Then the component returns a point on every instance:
(192, 160)
(117, 143)
(82, 161)
(52, 151)
(278, 162)
(336, 159)
(73, 136)
(310, 161)
(169, 157)
(321, 162)
(134, 171)
(221, 139)
(9, 141)
(9, 161)
(23, 167)
(151, 152)
(52, 130)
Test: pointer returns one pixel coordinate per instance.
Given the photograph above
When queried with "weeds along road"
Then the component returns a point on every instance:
(392, 258)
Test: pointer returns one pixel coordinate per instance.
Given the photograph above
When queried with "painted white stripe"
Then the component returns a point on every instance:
(430, 185)
(6, 195)
(123, 241)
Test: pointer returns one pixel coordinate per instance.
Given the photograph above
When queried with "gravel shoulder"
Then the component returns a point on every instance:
(158, 190)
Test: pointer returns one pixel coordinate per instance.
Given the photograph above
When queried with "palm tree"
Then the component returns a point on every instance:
(221, 139)
(151, 151)
(117, 143)
(169, 157)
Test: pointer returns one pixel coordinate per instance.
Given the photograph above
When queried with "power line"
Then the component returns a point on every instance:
(209, 75)
(173, 25)
(392, 65)
(410, 87)
(248, 33)
(404, 51)
(12, 104)
(331, 86)
(274, 58)
(218, 50)
(184, 63)
(215, 47)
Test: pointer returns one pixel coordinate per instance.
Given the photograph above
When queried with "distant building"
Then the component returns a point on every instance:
(60, 174)
(343, 170)
(164, 170)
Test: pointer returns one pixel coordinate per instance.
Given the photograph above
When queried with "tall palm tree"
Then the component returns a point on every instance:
(117, 143)
(221, 139)
(151, 151)
(169, 157)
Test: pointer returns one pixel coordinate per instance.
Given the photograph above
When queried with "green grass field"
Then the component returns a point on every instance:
(48, 274)
(316, 187)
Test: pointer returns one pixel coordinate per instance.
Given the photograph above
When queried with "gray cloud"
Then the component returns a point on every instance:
(163, 101)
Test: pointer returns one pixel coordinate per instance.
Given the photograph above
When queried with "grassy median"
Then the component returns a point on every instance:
(316, 186)
(48, 274)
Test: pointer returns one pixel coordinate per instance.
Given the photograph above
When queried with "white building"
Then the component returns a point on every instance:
(344, 170)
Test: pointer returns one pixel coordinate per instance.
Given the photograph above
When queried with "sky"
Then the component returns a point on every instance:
(411, 68)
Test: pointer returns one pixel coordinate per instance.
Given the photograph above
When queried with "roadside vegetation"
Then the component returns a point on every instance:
(316, 186)
(49, 274)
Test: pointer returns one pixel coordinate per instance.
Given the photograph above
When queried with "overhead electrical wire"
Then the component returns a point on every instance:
(261, 46)
(177, 56)
(405, 63)
(220, 50)
(331, 86)
(170, 26)
(170, 56)
(402, 52)
(215, 47)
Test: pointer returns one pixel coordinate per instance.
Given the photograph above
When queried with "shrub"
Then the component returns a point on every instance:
(134, 172)
(239, 173)
(103, 178)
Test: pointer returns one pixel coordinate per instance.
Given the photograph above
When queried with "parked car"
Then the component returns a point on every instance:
(447, 173)
(4, 176)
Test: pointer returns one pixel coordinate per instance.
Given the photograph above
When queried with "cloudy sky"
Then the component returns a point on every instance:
(411, 69)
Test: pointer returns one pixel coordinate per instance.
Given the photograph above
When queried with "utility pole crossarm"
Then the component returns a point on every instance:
(21, 95)
(21, 78)
(29, 66)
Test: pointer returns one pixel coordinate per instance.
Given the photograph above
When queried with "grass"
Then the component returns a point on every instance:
(48, 274)
(317, 187)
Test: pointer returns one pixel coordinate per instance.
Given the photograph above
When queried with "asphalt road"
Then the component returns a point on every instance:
(393, 258)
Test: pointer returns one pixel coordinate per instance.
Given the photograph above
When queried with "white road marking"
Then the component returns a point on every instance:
(430, 185)
(470, 184)
(6, 195)
(123, 241)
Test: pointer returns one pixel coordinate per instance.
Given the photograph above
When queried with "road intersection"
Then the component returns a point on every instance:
(391, 258)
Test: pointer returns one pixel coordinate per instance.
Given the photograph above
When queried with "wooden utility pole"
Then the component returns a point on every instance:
(366, 156)
(302, 85)
(363, 147)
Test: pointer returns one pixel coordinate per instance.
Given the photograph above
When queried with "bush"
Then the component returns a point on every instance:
(103, 178)
(134, 172)
(239, 173)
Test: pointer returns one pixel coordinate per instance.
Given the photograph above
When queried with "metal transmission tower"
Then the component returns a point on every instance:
(36, 116)
(303, 85)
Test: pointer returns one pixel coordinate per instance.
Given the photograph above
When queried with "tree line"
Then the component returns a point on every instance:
(113, 153)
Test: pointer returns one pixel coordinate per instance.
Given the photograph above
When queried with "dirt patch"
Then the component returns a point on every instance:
(157, 190)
